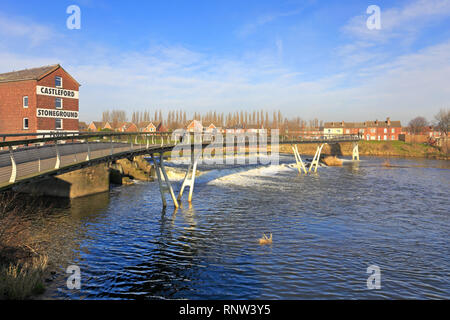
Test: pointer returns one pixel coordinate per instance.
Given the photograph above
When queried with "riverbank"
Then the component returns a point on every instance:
(23, 262)
(374, 148)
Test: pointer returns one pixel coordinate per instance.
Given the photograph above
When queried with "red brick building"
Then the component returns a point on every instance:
(99, 125)
(369, 130)
(127, 127)
(43, 99)
(147, 126)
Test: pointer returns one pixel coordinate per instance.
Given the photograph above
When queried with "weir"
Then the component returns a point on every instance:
(32, 160)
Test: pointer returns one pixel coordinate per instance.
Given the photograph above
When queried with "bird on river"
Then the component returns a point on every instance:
(265, 239)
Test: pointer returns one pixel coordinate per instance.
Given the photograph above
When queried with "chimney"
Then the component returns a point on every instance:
(376, 122)
(388, 121)
(342, 123)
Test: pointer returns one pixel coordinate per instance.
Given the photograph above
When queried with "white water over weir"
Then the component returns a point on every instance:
(29, 158)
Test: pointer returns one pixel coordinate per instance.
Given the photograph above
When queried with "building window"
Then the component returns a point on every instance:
(58, 103)
(385, 137)
(58, 124)
(385, 130)
(58, 82)
(25, 101)
(372, 130)
(393, 137)
(25, 123)
(393, 130)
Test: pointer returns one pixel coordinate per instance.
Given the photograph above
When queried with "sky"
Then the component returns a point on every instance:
(311, 58)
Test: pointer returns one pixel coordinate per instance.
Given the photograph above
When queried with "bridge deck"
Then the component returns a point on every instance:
(36, 162)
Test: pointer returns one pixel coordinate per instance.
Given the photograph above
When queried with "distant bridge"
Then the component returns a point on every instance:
(24, 159)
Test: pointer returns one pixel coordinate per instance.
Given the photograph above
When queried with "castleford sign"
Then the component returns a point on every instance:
(56, 92)
(52, 113)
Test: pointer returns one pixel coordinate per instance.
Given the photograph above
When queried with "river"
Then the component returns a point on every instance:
(327, 228)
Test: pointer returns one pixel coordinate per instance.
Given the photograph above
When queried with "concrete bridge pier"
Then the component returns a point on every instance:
(79, 183)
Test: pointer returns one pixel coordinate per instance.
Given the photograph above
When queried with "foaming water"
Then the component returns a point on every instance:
(327, 229)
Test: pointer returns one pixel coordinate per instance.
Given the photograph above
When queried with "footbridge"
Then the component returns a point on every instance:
(26, 158)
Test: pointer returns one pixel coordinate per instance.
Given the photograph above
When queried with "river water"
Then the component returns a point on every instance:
(327, 228)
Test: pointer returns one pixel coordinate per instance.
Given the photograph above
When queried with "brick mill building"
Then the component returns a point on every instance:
(38, 100)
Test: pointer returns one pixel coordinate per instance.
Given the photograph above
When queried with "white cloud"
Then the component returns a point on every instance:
(262, 20)
(179, 77)
(35, 33)
(399, 22)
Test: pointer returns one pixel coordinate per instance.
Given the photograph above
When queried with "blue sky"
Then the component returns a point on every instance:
(306, 58)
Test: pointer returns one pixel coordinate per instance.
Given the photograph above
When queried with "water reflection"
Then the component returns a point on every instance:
(327, 228)
(89, 207)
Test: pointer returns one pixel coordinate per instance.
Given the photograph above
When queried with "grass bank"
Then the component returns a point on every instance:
(23, 264)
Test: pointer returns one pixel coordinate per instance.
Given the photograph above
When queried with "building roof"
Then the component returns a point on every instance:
(382, 124)
(376, 123)
(98, 124)
(145, 124)
(82, 126)
(30, 74)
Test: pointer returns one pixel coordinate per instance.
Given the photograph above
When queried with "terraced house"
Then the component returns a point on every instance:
(39, 100)
(369, 130)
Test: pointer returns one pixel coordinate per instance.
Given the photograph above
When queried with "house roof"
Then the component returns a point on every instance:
(196, 123)
(30, 74)
(125, 125)
(145, 124)
(381, 124)
(98, 124)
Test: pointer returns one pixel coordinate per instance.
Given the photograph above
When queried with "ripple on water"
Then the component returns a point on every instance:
(327, 229)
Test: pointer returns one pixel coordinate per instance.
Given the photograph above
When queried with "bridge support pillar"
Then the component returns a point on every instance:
(189, 178)
(355, 155)
(315, 162)
(161, 173)
(74, 184)
(298, 160)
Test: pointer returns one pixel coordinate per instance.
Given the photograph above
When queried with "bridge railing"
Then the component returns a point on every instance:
(15, 140)
(23, 155)
(26, 154)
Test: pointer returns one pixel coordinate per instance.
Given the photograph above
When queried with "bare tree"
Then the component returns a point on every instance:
(106, 116)
(442, 121)
(417, 125)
